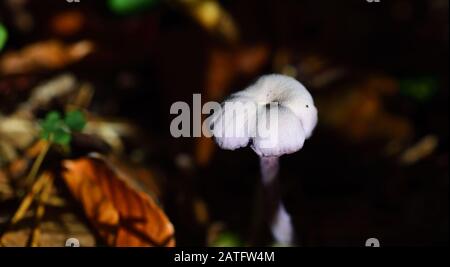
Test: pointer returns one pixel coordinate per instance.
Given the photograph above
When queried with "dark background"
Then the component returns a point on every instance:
(342, 187)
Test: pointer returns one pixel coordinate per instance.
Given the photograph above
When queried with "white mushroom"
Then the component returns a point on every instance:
(247, 119)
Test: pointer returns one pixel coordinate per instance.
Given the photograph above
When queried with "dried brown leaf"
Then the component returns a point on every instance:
(50, 55)
(67, 23)
(122, 215)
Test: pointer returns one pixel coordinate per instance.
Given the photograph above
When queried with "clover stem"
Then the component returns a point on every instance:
(276, 215)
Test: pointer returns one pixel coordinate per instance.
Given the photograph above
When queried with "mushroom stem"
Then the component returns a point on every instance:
(276, 214)
(269, 169)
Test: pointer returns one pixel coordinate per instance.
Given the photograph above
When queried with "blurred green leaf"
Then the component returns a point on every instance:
(3, 36)
(62, 136)
(420, 89)
(51, 122)
(227, 239)
(124, 7)
(75, 120)
(59, 130)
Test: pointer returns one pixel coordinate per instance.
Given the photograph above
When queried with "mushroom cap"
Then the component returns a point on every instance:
(244, 112)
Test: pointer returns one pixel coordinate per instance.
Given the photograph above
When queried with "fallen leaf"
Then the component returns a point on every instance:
(43, 94)
(358, 112)
(201, 211)
(420, 150)
(67, 23)
(15, 134)
(59, 225)
(144, 179)
(211, 16)
(122, 215)
(49, 55)
(111, 131)
(17, 131)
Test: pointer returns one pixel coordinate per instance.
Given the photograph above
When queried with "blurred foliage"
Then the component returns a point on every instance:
(3, 36)
(125, 7)
(227, 239)
(59, 130)
(420, 89)
(75, 120)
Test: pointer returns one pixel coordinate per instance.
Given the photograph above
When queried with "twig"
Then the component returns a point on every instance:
(26, 202)
(37, 163)
(40, 211)
(28, 199)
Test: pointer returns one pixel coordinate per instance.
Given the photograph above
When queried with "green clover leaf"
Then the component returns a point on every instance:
(62, 136)
(75, 120)
(58, 130)
(50, 124)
